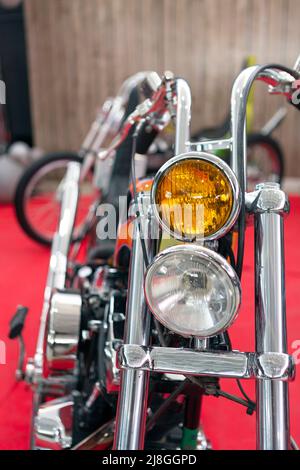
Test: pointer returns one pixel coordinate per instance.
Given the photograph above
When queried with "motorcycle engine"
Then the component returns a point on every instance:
(85, 330)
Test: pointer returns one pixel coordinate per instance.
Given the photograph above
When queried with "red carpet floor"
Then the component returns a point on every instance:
(23, 271)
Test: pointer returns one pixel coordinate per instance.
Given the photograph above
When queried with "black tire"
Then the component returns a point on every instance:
(273, 148)
(23, 184)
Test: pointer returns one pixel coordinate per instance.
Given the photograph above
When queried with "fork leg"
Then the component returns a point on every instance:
(133, 396)
(271, 335)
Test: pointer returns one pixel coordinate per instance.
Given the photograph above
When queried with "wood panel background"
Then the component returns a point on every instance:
(81, 50)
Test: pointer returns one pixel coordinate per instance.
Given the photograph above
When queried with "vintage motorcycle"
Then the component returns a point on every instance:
(131, 340)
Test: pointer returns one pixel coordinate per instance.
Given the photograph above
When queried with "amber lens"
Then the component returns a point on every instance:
(194, 198)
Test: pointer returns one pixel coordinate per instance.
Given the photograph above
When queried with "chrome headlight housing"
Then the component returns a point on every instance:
(196, 196)
(193, 291)
(63, 331)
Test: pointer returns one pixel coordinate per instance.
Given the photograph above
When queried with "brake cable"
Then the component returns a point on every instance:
(249, 404)
(211, 387)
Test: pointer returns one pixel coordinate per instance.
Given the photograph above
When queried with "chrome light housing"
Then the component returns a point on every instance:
(193, 291)
(63, 331)
(196, 196)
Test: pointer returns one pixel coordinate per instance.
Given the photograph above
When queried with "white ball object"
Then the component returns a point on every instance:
(20, 151)
(10, 3)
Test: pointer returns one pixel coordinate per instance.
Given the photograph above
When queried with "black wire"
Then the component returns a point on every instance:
(159, 328)
(240, 136)
(243, 391)
(250, 405)
(294, 444)
(133, 180)
(164, 406)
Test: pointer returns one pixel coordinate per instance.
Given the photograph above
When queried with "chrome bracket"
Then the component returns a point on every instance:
(142, 206)
(268, 197)
(210, 145)
(232, 364)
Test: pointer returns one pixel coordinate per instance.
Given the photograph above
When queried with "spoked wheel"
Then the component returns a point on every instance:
(38, 197)
(264, 160)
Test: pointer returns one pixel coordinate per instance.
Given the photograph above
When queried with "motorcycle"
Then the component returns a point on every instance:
(132, 340)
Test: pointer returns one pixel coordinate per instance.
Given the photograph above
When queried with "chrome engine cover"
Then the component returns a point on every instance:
(53, 425)
(63, 331)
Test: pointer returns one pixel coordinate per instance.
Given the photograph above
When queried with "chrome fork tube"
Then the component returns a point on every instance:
(183, 116)
(271, 335)
(132, 402)
(268, 205)
(133, 396)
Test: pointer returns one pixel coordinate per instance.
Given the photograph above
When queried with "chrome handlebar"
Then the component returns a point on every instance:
(279, 81)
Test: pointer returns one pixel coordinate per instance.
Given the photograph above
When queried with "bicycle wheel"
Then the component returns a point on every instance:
(265, 161)
(36, 203)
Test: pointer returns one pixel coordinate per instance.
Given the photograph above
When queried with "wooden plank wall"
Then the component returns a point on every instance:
(81, 50)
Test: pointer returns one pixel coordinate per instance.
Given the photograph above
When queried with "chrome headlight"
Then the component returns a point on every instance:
(193, 291)
(196, 196)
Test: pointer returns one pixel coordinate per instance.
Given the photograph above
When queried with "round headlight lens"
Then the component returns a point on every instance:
(193, 291)
(195, 196)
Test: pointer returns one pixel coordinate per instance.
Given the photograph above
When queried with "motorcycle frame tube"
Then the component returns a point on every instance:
(56, 273)
(271, 334)
(132, 401)
(59, 253)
